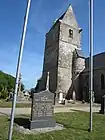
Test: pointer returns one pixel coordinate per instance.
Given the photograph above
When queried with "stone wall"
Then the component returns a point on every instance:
(64, 34)
(67, 47)
(98, 92)
(99, 69)
(59, 53)
(50, 58)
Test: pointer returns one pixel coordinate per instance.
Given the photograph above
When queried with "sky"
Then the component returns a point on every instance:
(41, 17)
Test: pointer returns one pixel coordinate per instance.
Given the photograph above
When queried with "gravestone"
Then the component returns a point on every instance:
(42, 110)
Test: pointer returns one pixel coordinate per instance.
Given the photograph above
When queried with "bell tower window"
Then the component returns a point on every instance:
(70, 33)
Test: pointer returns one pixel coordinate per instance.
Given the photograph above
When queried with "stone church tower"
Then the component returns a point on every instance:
(62, 57)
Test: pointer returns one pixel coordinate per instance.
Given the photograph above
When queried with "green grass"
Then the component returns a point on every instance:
(76, 125)
(4, 104)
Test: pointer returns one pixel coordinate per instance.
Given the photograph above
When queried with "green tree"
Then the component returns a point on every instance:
(4, 93)
(7, 84)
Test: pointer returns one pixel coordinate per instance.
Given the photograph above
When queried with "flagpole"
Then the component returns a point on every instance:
(18, 69)
(91, 61)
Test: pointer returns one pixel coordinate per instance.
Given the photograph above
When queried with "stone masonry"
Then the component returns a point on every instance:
(62, 58)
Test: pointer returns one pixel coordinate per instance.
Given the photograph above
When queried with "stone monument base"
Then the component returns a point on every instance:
(36, 131)
(42, 122)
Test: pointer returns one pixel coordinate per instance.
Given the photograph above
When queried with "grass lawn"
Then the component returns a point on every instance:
(4, 104)
(76, 125)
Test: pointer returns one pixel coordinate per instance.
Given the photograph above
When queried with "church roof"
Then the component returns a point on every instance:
(62, 16)
(98, 61)
(68, 13)
(68, 17)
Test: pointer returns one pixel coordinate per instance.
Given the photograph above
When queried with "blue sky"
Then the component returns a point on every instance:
(41, 17)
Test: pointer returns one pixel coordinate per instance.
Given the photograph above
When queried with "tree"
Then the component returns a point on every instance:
(4, 93)
(7, 83)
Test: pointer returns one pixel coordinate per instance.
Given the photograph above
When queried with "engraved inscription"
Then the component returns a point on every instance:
(44, 98)
(42, 104)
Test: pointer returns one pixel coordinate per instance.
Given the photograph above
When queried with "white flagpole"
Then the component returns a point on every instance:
(18, 69)
(91, 61)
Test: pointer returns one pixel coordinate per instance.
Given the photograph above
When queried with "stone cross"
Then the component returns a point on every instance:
(47, 83)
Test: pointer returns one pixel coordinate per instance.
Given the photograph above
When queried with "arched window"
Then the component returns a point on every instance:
(102, 81)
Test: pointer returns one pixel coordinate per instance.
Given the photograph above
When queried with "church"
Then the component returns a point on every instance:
(68, 68)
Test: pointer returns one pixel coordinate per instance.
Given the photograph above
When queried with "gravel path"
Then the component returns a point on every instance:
(18, 111)
(21, 111)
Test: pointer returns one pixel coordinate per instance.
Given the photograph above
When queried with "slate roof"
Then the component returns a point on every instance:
(98, 61)
(62, 16)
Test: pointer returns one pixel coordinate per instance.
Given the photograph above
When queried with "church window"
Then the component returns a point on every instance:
(102, 82)
(70, 33)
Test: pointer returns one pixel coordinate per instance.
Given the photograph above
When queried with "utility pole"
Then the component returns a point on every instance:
(18, 69)
(91, 61)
